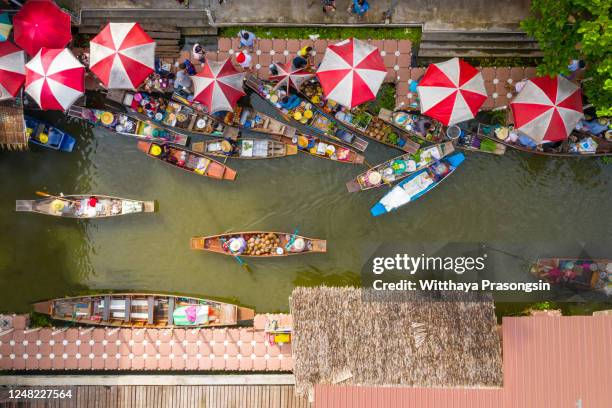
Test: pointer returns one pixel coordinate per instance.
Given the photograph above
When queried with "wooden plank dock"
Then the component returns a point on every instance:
(156, 396)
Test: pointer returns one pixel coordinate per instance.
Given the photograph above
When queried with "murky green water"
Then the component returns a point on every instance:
(548, 206)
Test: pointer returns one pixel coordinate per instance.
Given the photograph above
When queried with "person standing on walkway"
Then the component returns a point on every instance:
(306, 53)
(247, 39)
(359, 7)
(244, 60)
(329, 6)
(198, 53)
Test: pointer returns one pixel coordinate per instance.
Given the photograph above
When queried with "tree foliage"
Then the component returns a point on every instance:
(576, 29)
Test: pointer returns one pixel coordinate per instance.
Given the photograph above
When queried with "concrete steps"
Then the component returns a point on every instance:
(448, 44)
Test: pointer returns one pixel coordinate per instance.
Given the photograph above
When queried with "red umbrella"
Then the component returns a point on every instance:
(451, 91)
(122, 55)
(351, 72)
(547, 109)
(55, 79)
(287, 76)
(218, 86)
(41, 23)
(12, 69)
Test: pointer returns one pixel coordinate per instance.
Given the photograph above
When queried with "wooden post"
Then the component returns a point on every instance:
(87, 330)
(63, 329)
(32, 330)
(112, 331)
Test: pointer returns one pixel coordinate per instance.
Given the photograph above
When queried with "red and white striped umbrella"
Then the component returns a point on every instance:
(218, 86)
(55, 79)
(351, 72)
(288, 77)
(547, 109)
(122, 55)
(451, 91)
(12, 69)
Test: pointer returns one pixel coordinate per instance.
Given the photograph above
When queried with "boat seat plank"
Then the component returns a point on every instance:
(107, 302)
(171, 310)
(151, 304)
(128, 306)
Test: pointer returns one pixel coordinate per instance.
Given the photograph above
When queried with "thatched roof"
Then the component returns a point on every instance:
(339, 337)
(12, 126)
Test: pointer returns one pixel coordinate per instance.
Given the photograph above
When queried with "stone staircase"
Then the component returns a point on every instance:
(438, 45)
(165, 26)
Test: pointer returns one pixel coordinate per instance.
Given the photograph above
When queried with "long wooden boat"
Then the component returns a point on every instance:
(261, 244)
(248, 118)
(400, 167)
(307, 115)
(144, 310)
(576, 274)
(417, 184)
(187, 160)
(325, 149)
(128, 125)
(470, 140)
(43, 134)
(359, 120)
(245, 148)
(85, 206)
(415, 124)
(574, 146)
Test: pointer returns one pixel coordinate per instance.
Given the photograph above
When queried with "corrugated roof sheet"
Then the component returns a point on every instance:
(548, 362)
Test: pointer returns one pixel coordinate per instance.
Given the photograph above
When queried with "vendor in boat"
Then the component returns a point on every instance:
(235, 245)
(290, 102)
(422, 126)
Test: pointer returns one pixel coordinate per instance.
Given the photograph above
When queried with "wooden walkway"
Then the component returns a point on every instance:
(146, 396)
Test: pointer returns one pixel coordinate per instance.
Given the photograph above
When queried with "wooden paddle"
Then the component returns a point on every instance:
(291, 239)
(43, 194)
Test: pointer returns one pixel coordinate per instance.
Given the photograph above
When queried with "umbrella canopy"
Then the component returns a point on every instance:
(55, 79)
(12, 69)
(5, 26)
(41, 23)
(122, 55)
(547, 109)
(451, 91)
(351, 72)
(288, 77)
(218, 86)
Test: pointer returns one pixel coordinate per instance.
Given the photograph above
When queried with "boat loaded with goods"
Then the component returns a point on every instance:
(43, 134)
(398, 168)
(259, 244)
(144, 310)
(580, 275)
(245, 148)
(129, 125)
(84, 206)
(187, 160)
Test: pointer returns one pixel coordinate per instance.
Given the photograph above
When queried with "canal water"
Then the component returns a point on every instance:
(542, 206)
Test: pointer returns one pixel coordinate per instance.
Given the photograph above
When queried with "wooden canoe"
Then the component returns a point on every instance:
(128, 125)
(279, 244)
(560, 149)
(576, 274)
(321, 148)
(144, 310)
(188, 160)
(398, 168)
(408, 122)
(368, 125)
(77, 206)
(318, 123)
(247, 118)
(246, 148)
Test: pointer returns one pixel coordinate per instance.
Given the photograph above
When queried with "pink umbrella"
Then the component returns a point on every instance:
(41, 23)
(290, 77)
(351, 72)
(218, 86)
(122, 55)
(55, 79)
(12, 69)
(547, 109)
(451, 91)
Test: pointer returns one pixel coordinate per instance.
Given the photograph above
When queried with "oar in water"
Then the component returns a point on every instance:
(43, 194)
(292, 239)
(236, 257)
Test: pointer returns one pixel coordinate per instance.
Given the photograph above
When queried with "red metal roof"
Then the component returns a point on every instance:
(548, 362)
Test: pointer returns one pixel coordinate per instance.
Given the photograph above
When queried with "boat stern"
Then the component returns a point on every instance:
(456, 159)
(378, 209)
(244, 314)
(229, 174)
(291, 149)
(43, 307)
(68, 143)
(197, 243)
(319, 245)
(143, 146)
(149, 206)
(24, 205)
